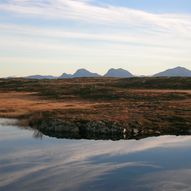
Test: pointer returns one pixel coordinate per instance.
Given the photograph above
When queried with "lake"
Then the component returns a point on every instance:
(32, 161)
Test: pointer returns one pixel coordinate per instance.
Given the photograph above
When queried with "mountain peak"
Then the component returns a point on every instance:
(84, 73)
(118, 73)
(82, 70)
(79, 74)
(175, 72)
(65, 75)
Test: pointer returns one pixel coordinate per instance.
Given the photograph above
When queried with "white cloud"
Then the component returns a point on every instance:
(84, 11)
(161, 41)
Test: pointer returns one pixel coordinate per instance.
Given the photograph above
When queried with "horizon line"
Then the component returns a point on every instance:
(101, 75)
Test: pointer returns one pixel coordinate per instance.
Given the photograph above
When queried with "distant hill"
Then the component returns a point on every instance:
(176, 72)
(40, 77)
(119, 73)
(79, 74)
(65, 75)
(84, 73)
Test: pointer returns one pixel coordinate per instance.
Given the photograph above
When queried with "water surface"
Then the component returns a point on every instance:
(32, 161)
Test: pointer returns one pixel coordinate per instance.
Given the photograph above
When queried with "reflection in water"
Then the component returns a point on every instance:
(155, 163)
(37, 134)
(101, 136)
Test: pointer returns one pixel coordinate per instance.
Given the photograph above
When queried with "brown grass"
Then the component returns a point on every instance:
(97, 99)
(17, 104)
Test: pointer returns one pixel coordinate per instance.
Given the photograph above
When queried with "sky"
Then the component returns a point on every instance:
(50, 37)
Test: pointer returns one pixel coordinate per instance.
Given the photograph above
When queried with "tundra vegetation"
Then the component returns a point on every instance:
(85, 107)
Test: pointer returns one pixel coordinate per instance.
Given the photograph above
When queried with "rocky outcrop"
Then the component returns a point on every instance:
(102, 129)
(81, 126)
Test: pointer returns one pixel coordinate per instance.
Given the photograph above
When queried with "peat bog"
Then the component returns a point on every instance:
(93, 108)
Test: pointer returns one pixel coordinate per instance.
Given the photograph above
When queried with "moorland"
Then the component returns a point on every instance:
(134, 107)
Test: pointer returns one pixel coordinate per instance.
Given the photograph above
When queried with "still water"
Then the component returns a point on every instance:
(31, 161)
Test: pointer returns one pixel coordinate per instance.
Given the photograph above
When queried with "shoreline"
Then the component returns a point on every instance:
(92, 130)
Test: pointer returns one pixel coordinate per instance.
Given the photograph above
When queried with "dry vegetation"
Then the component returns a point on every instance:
(157, 103)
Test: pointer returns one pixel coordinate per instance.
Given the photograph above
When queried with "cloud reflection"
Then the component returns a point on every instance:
(32, 164)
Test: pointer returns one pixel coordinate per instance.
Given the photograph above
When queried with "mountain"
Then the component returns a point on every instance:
(39, 77)
(65, 75)
(84, 73)
(119, 73)
(79, 74)
(176, 72)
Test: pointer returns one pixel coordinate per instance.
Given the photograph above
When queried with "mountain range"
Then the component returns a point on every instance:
(40, 77)
(118, 73)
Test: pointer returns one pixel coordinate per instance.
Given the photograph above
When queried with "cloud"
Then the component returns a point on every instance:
(118, 39)
(131, 26)
(86, 12)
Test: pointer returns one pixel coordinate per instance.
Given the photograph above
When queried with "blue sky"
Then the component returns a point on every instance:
(159, 6)
(56, 36)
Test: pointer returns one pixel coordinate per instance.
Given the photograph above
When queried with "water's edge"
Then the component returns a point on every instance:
(96, 130)
(104, 130)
